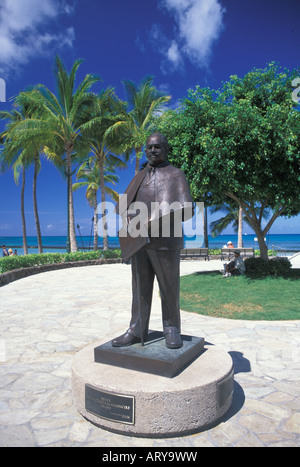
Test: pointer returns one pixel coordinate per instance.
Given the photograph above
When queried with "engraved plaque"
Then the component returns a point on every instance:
(114, 407)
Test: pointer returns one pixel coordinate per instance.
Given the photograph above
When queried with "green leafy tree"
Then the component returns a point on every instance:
(242, 142)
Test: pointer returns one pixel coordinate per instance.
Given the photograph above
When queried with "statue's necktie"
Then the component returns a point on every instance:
(152, 170)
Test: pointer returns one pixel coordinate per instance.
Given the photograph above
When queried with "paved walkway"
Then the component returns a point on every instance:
(295, 261)
(47, 318)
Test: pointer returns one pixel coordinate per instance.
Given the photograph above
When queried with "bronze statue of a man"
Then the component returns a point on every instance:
(164, 192)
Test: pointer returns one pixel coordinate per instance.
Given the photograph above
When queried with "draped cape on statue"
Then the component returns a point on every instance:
(171, 195)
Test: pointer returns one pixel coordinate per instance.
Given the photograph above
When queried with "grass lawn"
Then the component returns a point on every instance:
(239, 297)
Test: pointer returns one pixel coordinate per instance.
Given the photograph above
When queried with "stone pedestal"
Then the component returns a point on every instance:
(142, 404)
(154, 357)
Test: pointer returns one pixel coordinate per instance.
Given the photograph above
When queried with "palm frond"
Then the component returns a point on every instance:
(112, 193)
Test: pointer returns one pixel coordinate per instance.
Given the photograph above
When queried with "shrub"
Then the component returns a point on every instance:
(280, 266)
(10, 263)
(111, 253)
(258, 267)
(214, 251)
(81, 256)
(270, 252)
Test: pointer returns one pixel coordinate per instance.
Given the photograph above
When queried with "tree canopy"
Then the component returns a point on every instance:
(241, 142)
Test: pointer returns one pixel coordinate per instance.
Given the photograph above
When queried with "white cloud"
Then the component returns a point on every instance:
(199, 24)
(173, 54)
(5, 227)
(29, 28)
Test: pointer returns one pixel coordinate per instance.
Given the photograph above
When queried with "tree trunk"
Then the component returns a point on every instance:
(262, 245)
(240, 228)
(256, 223)
(137, 159)
(25, 247)
(35, 208)
(95, 222)
(103, 205)
(205, 231)
(71, 219)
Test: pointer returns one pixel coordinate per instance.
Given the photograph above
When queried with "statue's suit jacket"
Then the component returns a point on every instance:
(167, 186)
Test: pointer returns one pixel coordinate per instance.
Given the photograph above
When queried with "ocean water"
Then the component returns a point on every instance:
(58, 244)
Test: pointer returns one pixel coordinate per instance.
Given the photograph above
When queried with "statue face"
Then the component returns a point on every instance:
(155, 151)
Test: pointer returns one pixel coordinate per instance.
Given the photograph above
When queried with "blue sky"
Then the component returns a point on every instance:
(181, 43)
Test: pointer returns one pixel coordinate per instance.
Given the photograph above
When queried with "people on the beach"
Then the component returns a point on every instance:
(235, 267)
(8, 252)
(228, 245)
(4, 251)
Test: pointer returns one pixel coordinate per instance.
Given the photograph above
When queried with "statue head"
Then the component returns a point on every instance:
(157, 148)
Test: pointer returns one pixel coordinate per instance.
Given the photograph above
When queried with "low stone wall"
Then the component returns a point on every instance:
(17, 274)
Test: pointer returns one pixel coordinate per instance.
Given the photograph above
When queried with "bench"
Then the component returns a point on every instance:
(230, 251)
(194, 253)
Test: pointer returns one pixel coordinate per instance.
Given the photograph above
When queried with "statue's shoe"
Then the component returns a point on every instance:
(125, 340)
(173, 339)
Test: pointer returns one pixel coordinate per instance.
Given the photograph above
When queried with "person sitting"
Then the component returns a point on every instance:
(10, 252)
(5, 252)
(235, 267)
(230, 245)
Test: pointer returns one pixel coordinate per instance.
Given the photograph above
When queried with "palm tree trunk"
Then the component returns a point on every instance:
(35, 208)
(138, 151)
(95, 223)
(103, 204)
(71, 219)
(73, 239)
(240, 228)
(25, 247)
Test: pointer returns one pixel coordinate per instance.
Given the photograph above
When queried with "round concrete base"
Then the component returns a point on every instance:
(140, 404)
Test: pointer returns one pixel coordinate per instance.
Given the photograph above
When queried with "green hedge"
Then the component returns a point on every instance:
(217, 251)
(258, 267)
(16, 262)
(214, 251)
(10, 263)
(270, 252)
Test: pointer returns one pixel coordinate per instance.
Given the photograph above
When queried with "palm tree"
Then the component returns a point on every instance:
(22, 144)
(145, 102)
(240, 228)
(102, 143)
(59, 124)
(92, 182)
(21, 164)
(15, 158)
(233, 215)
